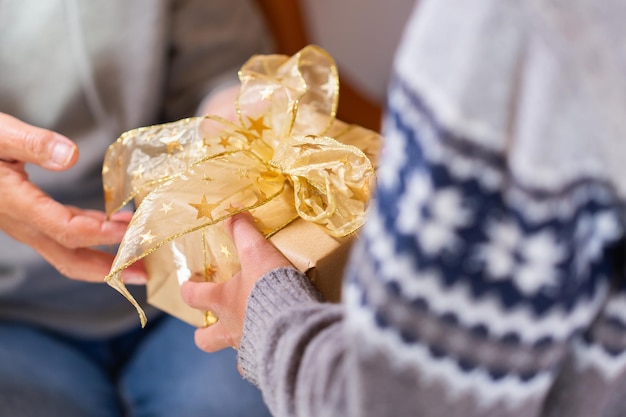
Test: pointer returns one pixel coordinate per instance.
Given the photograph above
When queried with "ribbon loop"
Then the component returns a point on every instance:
(331, 181)
(188, 176)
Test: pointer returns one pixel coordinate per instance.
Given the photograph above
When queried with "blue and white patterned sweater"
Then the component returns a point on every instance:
(490, 277)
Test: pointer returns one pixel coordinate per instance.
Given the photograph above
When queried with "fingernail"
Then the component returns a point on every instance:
(62, 153)
(134, 279)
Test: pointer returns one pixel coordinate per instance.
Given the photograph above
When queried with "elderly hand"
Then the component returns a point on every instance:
(228, 299)
(63, 235)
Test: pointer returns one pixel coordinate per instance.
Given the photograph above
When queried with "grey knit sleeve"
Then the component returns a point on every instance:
(293, 345)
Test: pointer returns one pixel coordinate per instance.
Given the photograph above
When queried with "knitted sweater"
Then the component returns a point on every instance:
(91, 70)
(489, 279)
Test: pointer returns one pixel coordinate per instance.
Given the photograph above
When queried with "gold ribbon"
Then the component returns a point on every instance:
(277, 161)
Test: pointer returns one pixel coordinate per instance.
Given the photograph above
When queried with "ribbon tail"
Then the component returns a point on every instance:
(116, 282)
(209, 192)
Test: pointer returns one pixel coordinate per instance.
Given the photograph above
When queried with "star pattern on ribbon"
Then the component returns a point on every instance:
(204, 208)
(277, 161)
(257, 125)
(147, 237)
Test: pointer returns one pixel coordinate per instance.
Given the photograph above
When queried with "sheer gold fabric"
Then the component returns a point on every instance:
(281, 160)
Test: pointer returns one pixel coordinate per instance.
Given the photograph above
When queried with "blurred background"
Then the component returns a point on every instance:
(361, 35)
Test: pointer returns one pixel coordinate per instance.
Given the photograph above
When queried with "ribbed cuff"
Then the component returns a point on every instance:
(272, 295)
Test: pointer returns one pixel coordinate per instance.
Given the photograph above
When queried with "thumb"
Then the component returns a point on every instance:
(22, 142)
(257, 255)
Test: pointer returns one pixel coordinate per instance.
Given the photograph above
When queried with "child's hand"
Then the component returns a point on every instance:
(228, 299)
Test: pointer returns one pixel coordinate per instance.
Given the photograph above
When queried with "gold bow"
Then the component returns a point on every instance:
(277, 162)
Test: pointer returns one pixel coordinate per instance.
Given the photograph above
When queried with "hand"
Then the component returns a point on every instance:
(228, 299)
(61, 234)
(223, 103)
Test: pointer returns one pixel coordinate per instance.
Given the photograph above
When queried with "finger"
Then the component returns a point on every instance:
(205, 296)
(121, 216)
(214, 338)
(82, 264)
(86, 264)
(202, 295)
(135, 274)
(23, 142)
(242, 229)
(257, 255)
(80, 229)
(69, 226)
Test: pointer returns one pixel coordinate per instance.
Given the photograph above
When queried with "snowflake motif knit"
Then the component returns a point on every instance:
(489, 279)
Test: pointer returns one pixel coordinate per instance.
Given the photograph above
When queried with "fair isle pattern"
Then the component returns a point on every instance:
(511, 391)
(473, 280)
(603, 348)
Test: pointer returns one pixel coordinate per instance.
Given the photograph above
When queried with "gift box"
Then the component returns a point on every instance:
(305, 177)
